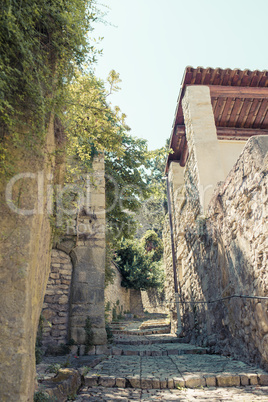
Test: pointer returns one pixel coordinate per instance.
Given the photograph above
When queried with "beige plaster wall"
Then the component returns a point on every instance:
(202, 142)
(230, 151)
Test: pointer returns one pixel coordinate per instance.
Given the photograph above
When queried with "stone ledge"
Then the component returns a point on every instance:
(185, 381)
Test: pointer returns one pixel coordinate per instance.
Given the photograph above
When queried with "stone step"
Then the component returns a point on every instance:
(156, 349)
(149, 372)
(153, 325)
(162, 330)
(146, 340)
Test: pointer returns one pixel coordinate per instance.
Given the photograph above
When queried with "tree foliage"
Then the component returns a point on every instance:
(141, 266)
(42, 44)
(126, 186)
(92, 125)
(154, 208)
(153, 244)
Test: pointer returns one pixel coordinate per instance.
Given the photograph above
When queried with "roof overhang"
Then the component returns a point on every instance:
(239, 101)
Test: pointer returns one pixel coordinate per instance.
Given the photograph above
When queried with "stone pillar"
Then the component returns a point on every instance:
(88, 257)
(202, 141)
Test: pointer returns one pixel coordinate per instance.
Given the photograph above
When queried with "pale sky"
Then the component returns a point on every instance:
(150, 42)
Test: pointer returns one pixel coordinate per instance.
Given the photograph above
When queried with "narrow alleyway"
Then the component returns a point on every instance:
(147, 363)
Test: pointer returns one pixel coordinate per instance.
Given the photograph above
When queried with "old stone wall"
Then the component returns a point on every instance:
(147, 301)
(221, 254)
(88, 257)
(154, 301)
(117, 297)
(25, 259)
(75, 290)
(56, 303)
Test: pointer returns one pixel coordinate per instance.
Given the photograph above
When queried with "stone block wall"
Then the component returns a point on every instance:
(117, 297)
(223, 253)
(56, 303)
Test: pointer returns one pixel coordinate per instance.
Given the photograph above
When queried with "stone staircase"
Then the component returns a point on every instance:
(148, 357)
(150, 327)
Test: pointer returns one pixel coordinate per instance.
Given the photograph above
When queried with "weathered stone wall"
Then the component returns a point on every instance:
(117, 297)
(56, 303)
(25, 259)
(136, 306)
(88, 258)
(75, 289)
(224, 253)
(121, 299)
(154, 301)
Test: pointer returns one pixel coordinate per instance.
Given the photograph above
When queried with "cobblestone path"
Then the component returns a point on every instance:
(148, 365)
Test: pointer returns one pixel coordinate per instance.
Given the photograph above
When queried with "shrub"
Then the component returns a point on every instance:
(140, 268)
(41, 396)
(153, 244)
(109, 333)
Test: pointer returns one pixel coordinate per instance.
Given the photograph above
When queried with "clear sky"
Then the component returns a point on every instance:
(150, 42)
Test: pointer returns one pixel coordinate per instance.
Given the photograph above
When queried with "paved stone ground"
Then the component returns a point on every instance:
(239, 394)
(156, 349)
(153, 372)
(159, 366)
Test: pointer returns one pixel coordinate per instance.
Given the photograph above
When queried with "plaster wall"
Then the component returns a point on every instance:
(202, 142)
(230, 151)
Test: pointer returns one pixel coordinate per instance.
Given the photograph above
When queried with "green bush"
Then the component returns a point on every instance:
(41, 396)
(141, 265)
(54, 368)
(153, 244)
(109, 333)
(114, 313)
